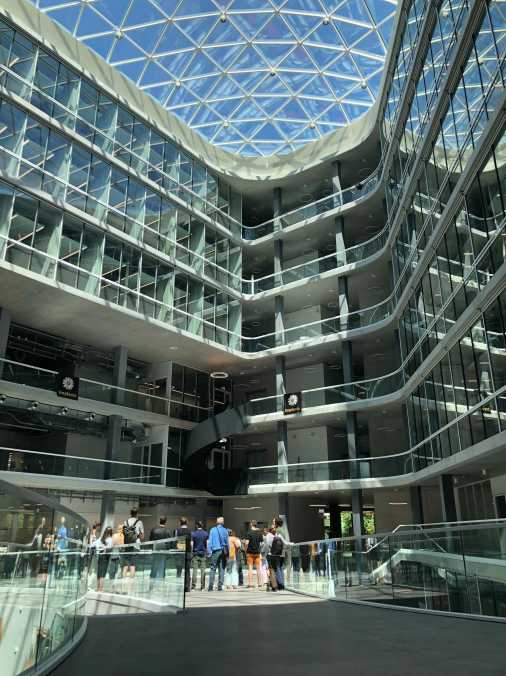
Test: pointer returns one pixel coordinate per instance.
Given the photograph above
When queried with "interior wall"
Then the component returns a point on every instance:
(237, 511)
(307, 445)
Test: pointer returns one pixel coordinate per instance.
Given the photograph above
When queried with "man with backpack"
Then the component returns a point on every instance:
(133, 534)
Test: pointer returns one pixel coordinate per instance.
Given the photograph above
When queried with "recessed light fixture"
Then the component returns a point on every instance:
(397, 504)
(219, 375)
(173, 348)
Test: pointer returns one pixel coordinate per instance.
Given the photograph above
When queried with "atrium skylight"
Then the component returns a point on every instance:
(256, 77)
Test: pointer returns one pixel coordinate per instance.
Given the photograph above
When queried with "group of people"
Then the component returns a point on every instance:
(260, 551)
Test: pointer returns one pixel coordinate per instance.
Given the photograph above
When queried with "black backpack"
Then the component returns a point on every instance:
(130, 532)
(277, 546)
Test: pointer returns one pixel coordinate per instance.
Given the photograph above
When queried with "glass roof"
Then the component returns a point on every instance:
(256, 77)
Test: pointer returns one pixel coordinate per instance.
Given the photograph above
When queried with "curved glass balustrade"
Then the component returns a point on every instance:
(34, 376)
(450, 567)
(428, 452)
(66, 464)
(43, 581)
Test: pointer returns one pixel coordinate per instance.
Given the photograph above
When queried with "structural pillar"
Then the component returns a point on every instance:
(118, 397)
(351, 436)
(107, 510)
(282, 433)
(340, 243)
(343, 302)
(447, 492)
(5, 325)
(276, 209)
(336, 182)
(416, 504)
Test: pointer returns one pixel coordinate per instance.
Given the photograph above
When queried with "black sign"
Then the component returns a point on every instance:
(67, 386)
(292, 403)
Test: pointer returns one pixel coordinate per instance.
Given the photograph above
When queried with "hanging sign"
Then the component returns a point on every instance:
(292, 403)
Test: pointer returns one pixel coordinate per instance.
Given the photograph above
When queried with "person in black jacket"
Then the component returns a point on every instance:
(184, 531)
(159, 558)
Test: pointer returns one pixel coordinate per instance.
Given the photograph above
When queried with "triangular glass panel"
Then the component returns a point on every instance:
(249, 59)
(380, 9)
(226, 87)
(101, 45)
(303, 5)
(344, 65)
(186, 113)
(274, 53)
(142, 12)
(197, 30)
(321, 56)
(177, 63)
(161, 93)
(318, 86)
(249, 150)
(201, 65)
(268, 148)
(224, 56)
(92, 23)
(272, 85)
(132, 69)
(154, 74)
(224, 32)
(182, 96)
(125, 50)
(248, 110)
(146, 37)
(385, 30)
(271, 104)
(114, 11)
(367, 65)
(230, 147)
(353, 111)
(249, 23)
(205, 115)
(298, 58)
(296, 81)
(268, 132)
(352, 33)
(254, 5)
(202, 86)
(248, 129)
(249, 80)
(224, 108)
(292, 111)
(66, 16)
(355, 10)
(274, 29)
(192, 7)
(289, 129)
(370, 43)
(315, 107)
(173, 39)
(325, 35)
(230, 134)
(301, 24)
(208, 130)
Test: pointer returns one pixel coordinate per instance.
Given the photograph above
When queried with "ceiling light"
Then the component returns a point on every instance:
(219, 375)
(173, 347)
(397, 503)
(90, 417)
(343, 504)
(64, 411)
(317, 505)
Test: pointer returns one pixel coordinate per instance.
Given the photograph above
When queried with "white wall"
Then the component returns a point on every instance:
(307, 445)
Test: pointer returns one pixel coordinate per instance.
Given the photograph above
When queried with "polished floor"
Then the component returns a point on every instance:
(287, 637)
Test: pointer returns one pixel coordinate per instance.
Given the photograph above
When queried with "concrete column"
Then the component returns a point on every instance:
(336, 176)
(5, 325)
(113, 442)
(276, 208)
(416, 504)
(279, 320)
(357, 514)
(107, 510)
(447, 492)
(351, 434)
(335, 521)
(282, 434)
(340, 243)
(119, 373)
(343, 301)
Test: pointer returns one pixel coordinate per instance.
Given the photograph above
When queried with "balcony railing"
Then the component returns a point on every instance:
(46, 379)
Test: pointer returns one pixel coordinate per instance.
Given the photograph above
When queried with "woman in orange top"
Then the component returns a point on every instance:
(231, 572)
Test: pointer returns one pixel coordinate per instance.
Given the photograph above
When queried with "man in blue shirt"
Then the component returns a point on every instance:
(199, 555)
(217, 548)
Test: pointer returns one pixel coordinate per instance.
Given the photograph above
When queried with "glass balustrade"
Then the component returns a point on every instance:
(159, 572)
(448, 567)
(65, 464)
(43, 580)
(25, 374)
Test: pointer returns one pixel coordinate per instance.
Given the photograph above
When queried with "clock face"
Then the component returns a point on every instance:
(68, 383)
(293, 400)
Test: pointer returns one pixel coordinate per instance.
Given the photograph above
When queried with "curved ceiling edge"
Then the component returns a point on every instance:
(248, 169)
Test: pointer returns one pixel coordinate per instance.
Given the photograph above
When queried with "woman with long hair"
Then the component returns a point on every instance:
(104, 549)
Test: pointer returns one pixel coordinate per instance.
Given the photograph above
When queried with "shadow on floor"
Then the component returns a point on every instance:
(305, 639)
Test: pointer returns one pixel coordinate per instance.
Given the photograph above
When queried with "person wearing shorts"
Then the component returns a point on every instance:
(254, 539)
